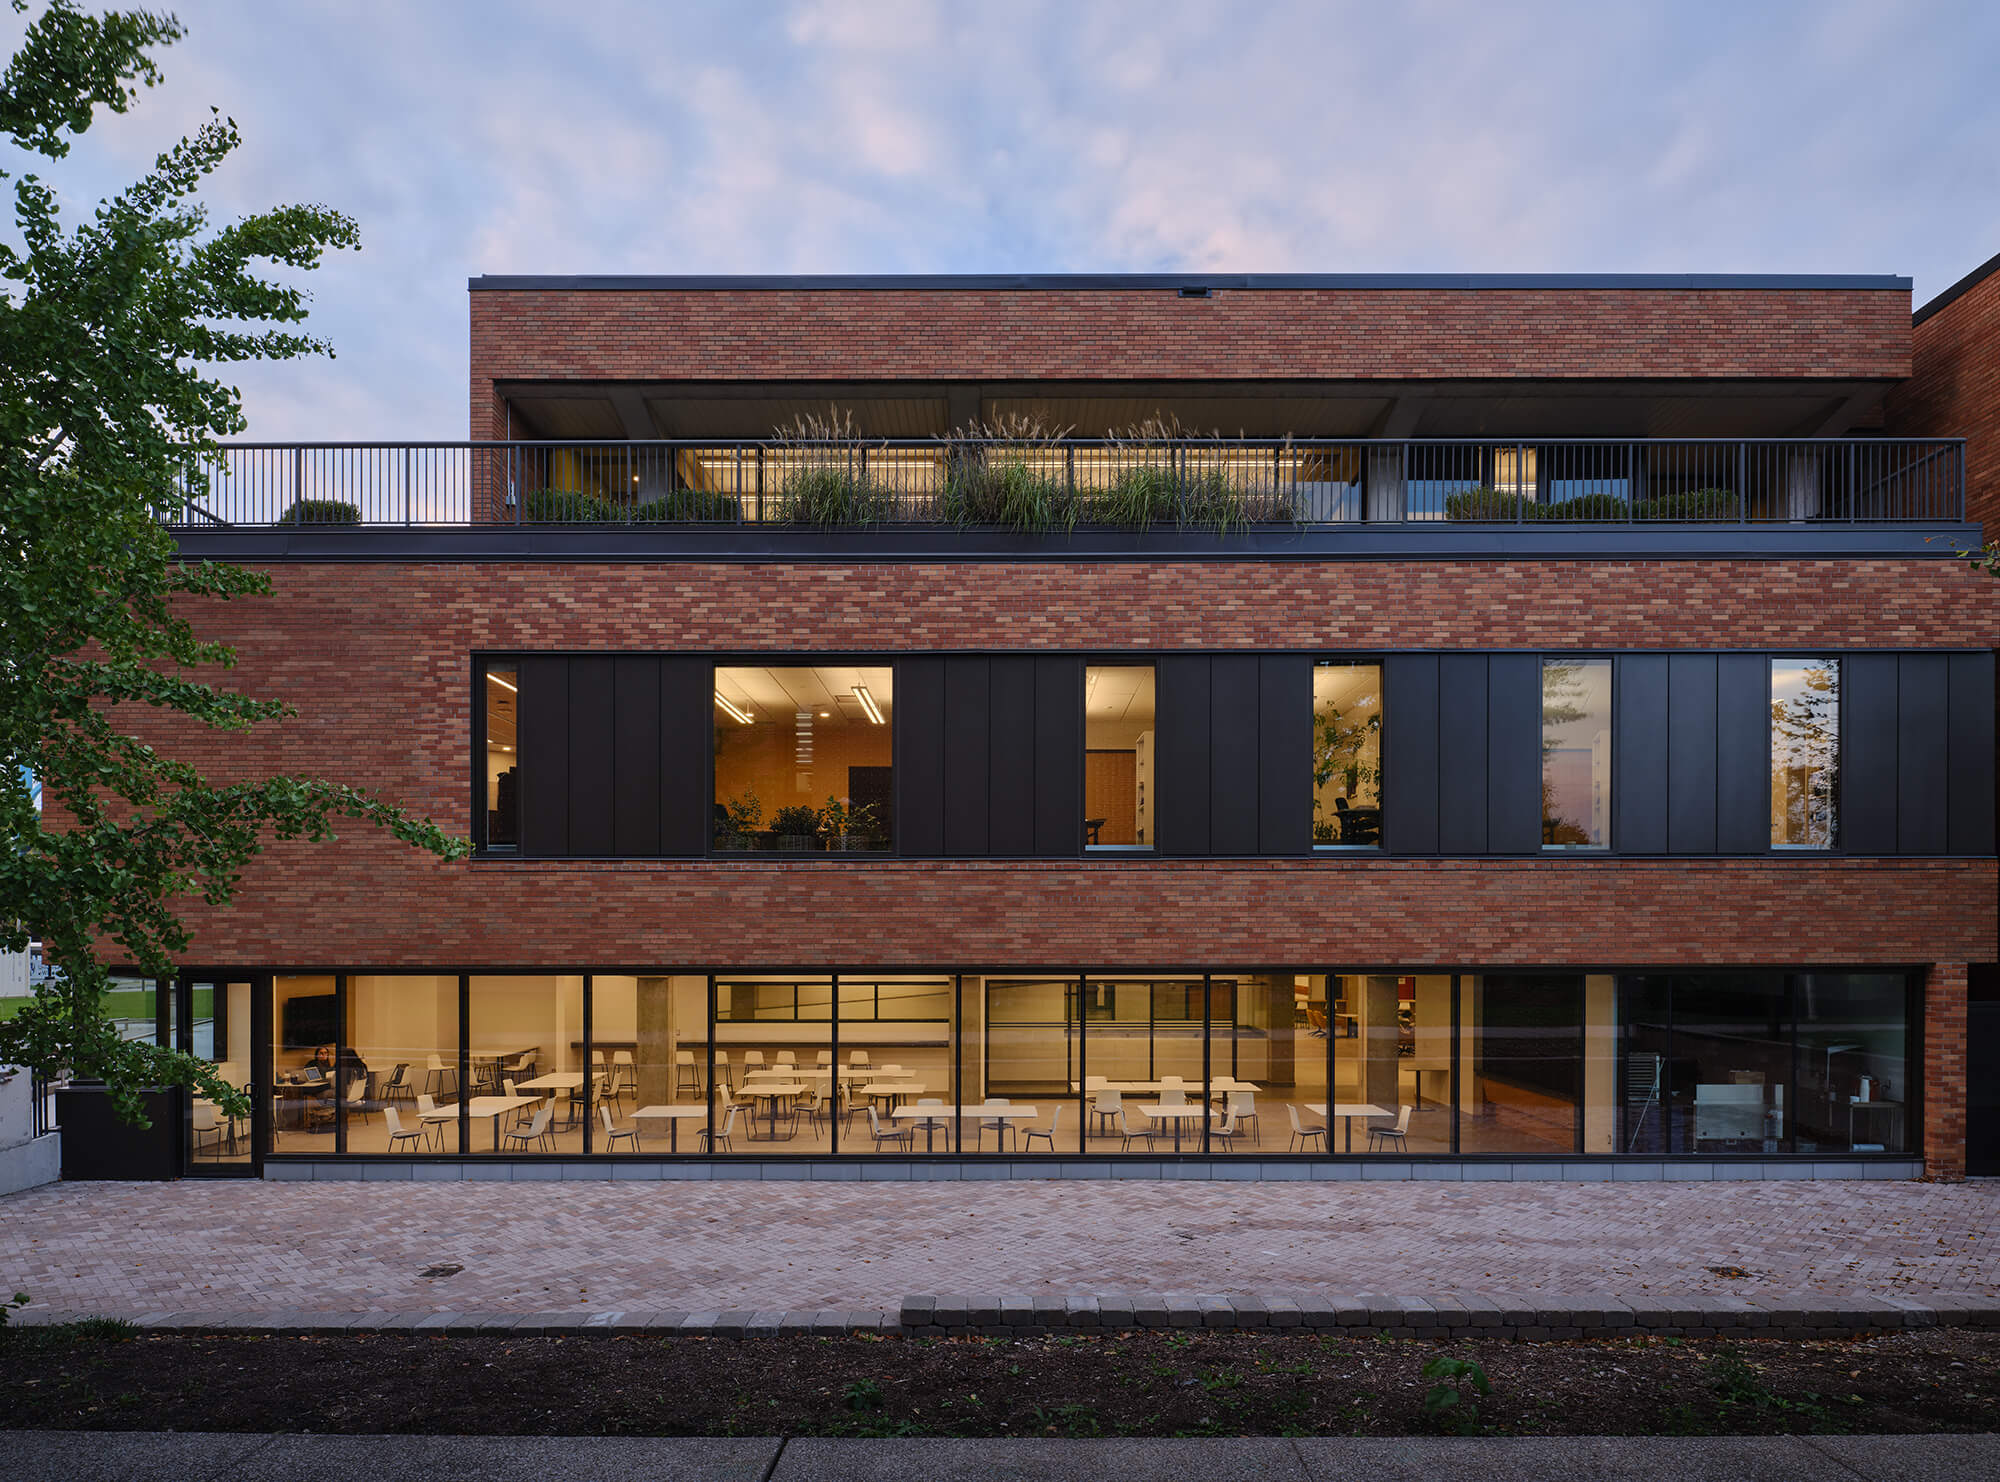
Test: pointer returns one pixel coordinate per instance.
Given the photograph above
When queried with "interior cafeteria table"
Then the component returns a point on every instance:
(673, 1116)
(770, 1093)
(1216, 1087)
(1347, 1111)
(483, 1106)
(934, 1116)
(1174, 1114)
(897, 1090)
(570, 1081)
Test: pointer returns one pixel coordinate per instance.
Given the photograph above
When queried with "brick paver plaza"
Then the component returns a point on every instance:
(129, 1249)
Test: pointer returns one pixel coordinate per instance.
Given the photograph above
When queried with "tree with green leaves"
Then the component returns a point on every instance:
(107, 422)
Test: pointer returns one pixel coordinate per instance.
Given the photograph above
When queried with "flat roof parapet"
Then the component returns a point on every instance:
(1290, 282)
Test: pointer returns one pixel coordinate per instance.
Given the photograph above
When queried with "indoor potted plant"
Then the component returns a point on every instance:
(845, 827)
(741, 815)
(796, 827)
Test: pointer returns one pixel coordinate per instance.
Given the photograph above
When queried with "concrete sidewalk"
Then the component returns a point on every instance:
(142, 1456)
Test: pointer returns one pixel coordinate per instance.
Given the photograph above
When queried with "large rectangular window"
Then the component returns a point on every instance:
(1855, 1093)
(1805, 752)
(1120, 792)
(528, 1087)
(776, 1087)
(1521, 1081)
(502, 685)
(803, 758)
(401, 1038)
(1391, 1058)
(1347, 755)
(1576, 753)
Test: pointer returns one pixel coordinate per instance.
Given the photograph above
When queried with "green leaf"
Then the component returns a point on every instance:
(107, 424)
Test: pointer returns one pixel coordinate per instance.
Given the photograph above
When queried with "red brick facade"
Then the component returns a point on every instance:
(1944, 1071)
(375, 656)
(1954, 390)
(1150, 334)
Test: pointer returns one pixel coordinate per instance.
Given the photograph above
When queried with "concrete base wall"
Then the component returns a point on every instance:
(26, 1164)
(1581, 1171)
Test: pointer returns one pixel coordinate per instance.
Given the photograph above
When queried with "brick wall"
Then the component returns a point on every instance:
(375, 657)
(1127, 334)
(1944, 1071)
(1954, 390)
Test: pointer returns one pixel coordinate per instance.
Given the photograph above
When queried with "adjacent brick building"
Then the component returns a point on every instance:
(1546, 730)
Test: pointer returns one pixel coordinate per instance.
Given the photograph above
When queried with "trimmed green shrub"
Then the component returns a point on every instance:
(566, 507)
(690, 506)
(1690, 504)
(1588, 507)
(1483, 502)
(321, 512)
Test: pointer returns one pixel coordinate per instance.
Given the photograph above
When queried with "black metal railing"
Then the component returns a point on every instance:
(1053, 485)
(44, 1100)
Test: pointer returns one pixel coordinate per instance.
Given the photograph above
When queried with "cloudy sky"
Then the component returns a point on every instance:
(594, 136)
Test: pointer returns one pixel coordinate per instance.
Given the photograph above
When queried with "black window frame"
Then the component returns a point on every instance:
(1089, 660)
(1376, 849)
(1838, 658)
(719, 661)
(1611, 661)
(482, 665)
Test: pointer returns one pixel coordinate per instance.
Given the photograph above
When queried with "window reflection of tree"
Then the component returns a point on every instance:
(1805, 728)
(1563, 693)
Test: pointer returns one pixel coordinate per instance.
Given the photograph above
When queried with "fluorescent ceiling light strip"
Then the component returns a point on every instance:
(504, 684)
(741, 716)
(868, 705)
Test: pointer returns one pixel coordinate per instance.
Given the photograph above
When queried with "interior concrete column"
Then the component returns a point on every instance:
(1600, 1063)
(657, 1042)
(1382, 482)
(1471, 1010)
(1380, 1073)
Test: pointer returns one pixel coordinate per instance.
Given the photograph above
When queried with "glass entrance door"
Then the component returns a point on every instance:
(211, 1019)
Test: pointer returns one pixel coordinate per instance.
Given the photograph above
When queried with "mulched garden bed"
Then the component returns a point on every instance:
(96, 1376)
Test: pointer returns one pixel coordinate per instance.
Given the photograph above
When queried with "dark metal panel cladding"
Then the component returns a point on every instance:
(1011, 751)
(1461, 744)
(590, 756)
(1868, 747)
(1181, 752)
(1234, 714)
(1742, 753)
(1514, 754)
(1058, 756)
(635, 756)
(687, 722)
(919, 769)
(1410, 753)
(543, 728)
(1923, 762)
(966, 772)
(1639, 742)
(1284, 754)
(1972, 760)
(1691, 743)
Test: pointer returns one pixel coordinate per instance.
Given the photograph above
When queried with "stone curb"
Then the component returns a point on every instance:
(1492, 1315)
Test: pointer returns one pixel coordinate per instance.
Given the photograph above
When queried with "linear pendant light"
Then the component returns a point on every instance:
(868, 705)
(737, 713)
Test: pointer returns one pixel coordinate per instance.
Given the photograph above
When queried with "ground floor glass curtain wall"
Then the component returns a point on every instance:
(1086, 1063)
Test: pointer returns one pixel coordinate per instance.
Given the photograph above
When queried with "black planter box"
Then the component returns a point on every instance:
(97, 1145)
